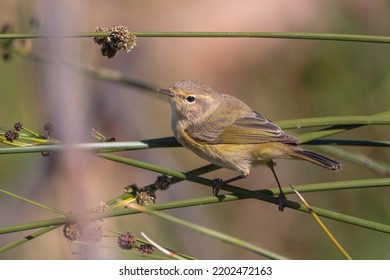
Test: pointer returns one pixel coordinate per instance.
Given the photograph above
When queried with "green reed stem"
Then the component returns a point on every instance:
(27, 238)
(192, 202)
(275, 35)
(213, 233)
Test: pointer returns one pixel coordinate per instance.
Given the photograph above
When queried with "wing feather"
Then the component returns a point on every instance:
(253, 129)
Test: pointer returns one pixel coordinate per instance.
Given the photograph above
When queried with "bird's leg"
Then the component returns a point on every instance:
(282, 197)
(218, 183)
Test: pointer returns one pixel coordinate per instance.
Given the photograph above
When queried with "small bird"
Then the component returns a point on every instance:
(227, 132)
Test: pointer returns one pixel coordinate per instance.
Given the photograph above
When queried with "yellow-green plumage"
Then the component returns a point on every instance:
(225, 131)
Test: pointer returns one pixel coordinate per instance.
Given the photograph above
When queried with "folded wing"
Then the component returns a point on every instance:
(254, 129)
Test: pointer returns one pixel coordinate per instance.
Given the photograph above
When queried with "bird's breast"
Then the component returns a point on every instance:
(231, 156)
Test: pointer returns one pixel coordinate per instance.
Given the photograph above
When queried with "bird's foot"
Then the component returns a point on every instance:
(217, 185)
(281, 201)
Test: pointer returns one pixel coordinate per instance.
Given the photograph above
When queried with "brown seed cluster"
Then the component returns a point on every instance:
(102, 207)
(145, 198)
(11, 135)
(18, 126)
(49, 127)
(27, 137)
(147, 195)
(88, 233)
(127, 240)
(131, 189)
(119, 39)
(146, 249)
(72, 231)
(21, 45)
(163, 182)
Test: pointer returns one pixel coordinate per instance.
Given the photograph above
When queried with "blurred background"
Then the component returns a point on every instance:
(281, 79)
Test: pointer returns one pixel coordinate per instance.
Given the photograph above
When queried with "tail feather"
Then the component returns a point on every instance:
(318, 159)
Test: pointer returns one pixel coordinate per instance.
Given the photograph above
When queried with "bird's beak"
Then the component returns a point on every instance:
(166, 91)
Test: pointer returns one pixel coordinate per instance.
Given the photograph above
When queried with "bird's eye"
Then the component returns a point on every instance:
(190, 99)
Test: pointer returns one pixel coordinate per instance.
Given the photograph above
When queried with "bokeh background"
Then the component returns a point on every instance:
(282, 79)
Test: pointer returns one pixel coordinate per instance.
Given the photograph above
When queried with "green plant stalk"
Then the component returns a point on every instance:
(275, 35)
(96, 147)
(113, 76)
(265, 194)
(341, 185)
(100, 73)
(35, 234)
(28, 238)
(169, 142)
(33, 133)
(212, 233)
(187, 176)
(377, 119)
(311, 136)
(198, 171)
(188, 203)
(260, 194)
(338, 125)
(381, 182)
(51, 209)
(334, 128)
(347, 142)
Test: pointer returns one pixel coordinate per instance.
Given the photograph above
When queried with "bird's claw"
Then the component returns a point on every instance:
(281, 201)
(217, 185)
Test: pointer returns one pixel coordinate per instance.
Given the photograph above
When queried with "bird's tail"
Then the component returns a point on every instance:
(317, 159)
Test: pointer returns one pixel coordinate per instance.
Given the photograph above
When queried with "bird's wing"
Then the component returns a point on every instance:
(254, 129)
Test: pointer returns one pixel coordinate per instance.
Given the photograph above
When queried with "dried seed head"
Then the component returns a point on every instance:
(46, 154)
(127, 240)
(11, 135)
(131, 189)
(146, 249)
(8, 43)
(145, 198)
(49, 127)
(162, 182)
(72, 231)
(119, 39)
(102, 207)
(18, 126)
